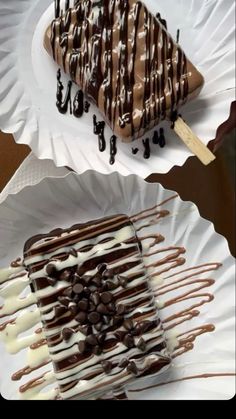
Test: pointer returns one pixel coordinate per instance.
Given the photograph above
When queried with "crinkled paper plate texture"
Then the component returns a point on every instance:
(208, 296)
(28, 86)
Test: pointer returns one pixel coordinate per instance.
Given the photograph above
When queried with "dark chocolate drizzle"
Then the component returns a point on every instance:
(86, 106)
(147, 150)
(113, 149)
(78, 104)
(57, 8)
(177, 36)
(155, 138)
(162, 139)
(135, 151)
(98, 129)
(163, 21)
(62, 104)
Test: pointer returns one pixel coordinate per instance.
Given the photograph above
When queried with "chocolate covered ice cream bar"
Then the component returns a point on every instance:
(98, 311)
(125, 61)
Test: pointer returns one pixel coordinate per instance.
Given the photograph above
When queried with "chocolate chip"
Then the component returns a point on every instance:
(97, 350)
(73, 252)
(68, 292)
(128, 324)
(59, 311)
(81, 317)
(106, 297)
(73, 309)
(65, 275)
(101, 308)
(122, 280)
(111, 307)
(83, 304)
(128, 341)
(80, 271)
(76, 278)
(95, 298)
(86, 330)
(64, 301)
(96, 281)
(67, 332)
(132, 368)
(82, 346)
(93, 288)
(143, 327)
(94, 317)
(119, 334)
(78, 288)
(106, 319)
(51, 269)
(98, 326)
(87, 291)
(51, 281)
(108, 273)
(141, 344)
(101, 268)
(86, 279)
(107, 366)
(91, 340)
(117, 320)
(121, 309)
(123, 363)
(111, 285)
(92, 307)
(101, 338)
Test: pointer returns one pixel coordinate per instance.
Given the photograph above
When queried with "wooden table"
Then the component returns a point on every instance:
(210, 188)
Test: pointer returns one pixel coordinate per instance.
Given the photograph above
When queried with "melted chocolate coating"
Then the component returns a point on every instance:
(100, 45)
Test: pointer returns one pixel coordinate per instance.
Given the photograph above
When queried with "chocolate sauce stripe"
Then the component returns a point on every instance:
(95, 230)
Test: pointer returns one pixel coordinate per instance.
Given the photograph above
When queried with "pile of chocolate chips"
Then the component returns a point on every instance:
(91, 303)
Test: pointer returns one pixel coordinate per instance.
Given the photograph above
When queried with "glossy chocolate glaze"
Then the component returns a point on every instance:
(100, 45)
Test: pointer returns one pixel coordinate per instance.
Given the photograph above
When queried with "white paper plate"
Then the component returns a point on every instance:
(67, 200)
(28, 86)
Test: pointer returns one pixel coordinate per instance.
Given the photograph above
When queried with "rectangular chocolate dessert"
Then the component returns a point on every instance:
(98, 311)
(125, 61)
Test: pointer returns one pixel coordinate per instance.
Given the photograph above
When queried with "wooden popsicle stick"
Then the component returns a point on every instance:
(193, 143)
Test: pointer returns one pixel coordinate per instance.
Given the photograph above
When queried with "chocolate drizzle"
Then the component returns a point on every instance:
(98, 129)
(57, 8)
(135, 151)
(78, 104)
(62, 104)
(113, 149)
(147, 150)
(106, 61)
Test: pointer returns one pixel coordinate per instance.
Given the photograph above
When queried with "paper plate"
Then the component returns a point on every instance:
(28, 86)
(196, 299)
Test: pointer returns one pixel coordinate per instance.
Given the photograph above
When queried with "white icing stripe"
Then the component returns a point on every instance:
(37, 356)
(5, 274)
(11, 291)
(10, 334)
(81, 258)
(122, 235)
(49, 291)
